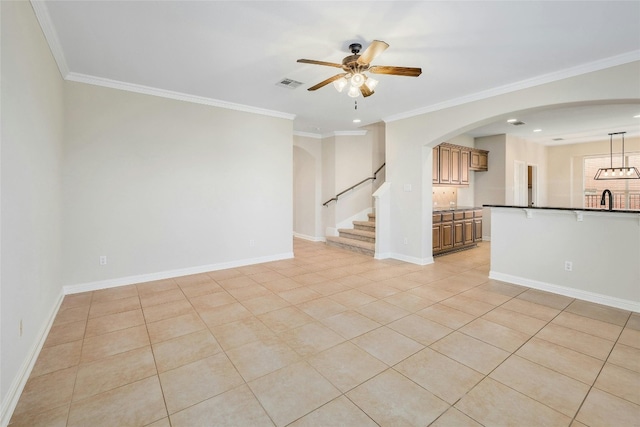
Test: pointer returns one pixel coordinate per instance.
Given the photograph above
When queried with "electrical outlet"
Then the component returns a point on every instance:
(252, 243)
(103, 260)
(568, 266)
(406, 241)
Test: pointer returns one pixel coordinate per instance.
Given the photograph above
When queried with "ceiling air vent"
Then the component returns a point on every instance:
(558, 139)
(517, 123)
(290, 83)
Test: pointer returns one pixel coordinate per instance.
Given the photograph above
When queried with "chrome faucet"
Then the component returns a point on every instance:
(602, 200)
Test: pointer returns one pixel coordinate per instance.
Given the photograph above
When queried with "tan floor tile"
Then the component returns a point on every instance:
(236, 282)
(57, 357)
(138, 403)
(401, 284)
(346, 365)
(163, 297)
(351, 281)
(112, 294)
(46, 392)
(298, 295)
(322, 308)
(626, 357)
(350, 324)
(446, 316)
(244, 331)
(164, 422)
(209, 301)
(352, 298)
(382, 312)
(561, 359)
(576, 340)
(285, 318)
(630, 337)
(393, 400)
(468, 305)
(267, 276)
(113, 371)
(311, 339)
(237, 407)
(387, 345)
(514, 320)
(502, 288)
(190, 384)
(598, 328)
(260, 358)
(282, 284)
(193, 279)
(562, 393)
(76, 300)
(163, 330)
(66, 332)
(634, 322)
(599, 312)
(249, 292)
(603, 409)
(531, 309)
(114, 322)
(497, 335)
(199, 289)
(265, 304)
(180, 351)
(329, 288)
(486, 296)
(431, 292)
(620, 382)
(442, 376)
(56, 417)
(491, 403)
(105, 345)
(559, 302)
(452, 418)
(157, 286)
(408, 301)
(224, 274)
(116, 306)
(428, 275)
(340, 411)
(420, 329)
(71, 315)
(379, 289)
(224, 314)
(167, 311)
(279, 392)
(254, 269)
(471, 352)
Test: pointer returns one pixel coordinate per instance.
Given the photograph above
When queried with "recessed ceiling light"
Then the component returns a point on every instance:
(512, 120)
(636, 116)
(356, 120)
(537, 130)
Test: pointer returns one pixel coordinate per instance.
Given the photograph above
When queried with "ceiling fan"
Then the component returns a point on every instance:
(354, 67)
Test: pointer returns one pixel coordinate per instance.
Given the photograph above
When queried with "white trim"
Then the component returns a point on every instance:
(147, 90)
(307, 134)
(411, 259)
(384, 255)
(345, 133)
(50, 34)
(141, 278)
(310, 238)
(601, 64)
(20, 380)
(570, 292)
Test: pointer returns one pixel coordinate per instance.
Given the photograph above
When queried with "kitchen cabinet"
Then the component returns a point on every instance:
(454, 230)
(436, 165)
(444, 161)
(479, 160)
(452, 163)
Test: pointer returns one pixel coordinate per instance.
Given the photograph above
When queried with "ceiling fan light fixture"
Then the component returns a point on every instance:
(354, 92)
(371, 83)
(340, 84)
(357, 79)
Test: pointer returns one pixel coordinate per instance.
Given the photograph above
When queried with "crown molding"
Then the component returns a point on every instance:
(50, 34)
(345, 133)
(307, 134)
(147, 90)
(602, 64)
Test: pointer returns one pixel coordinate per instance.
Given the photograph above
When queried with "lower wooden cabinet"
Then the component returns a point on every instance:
(456, 230)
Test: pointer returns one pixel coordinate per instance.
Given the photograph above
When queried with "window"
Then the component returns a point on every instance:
(626, 192)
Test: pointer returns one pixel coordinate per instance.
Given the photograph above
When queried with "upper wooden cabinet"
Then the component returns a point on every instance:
(452, 163)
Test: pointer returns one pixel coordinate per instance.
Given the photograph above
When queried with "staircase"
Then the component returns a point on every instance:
(361, 238)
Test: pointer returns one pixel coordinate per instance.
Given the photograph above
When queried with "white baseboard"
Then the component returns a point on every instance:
(310, 238)
(141, 278)
(569, 292)
(412, 260)
(20, 380)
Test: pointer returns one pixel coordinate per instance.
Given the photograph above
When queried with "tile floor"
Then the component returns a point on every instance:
(334, 338)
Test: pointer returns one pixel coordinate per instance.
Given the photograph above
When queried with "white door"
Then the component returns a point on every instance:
(519, 183)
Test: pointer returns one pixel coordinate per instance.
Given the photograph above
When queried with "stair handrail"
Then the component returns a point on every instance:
(335, 198)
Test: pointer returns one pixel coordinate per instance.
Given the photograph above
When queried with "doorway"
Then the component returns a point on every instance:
(532, 185)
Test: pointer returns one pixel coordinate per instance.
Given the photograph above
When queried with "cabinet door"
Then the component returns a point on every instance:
(436, 165)
(445, 165)
(464, 167)
(437, 238)
(458, 233)
(477, 230)
(484, 161)
(455, 170)
(447, 235)
(468, 232)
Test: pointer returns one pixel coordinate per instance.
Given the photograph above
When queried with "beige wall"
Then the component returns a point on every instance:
(307, 188)
(31, 101)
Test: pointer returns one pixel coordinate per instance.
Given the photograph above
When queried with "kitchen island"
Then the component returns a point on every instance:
(591, 254)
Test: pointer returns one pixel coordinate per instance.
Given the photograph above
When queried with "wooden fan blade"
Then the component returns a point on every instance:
(326, 82)
(375, 48)
(396, 71)
(312, 61)
(365, 91)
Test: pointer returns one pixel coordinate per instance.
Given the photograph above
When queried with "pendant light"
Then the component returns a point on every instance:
(622, 172)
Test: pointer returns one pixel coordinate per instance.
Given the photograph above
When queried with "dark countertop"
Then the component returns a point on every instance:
(564, 209)
(455, 209)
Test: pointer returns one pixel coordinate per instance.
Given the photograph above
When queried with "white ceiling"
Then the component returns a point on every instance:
(236, 51)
